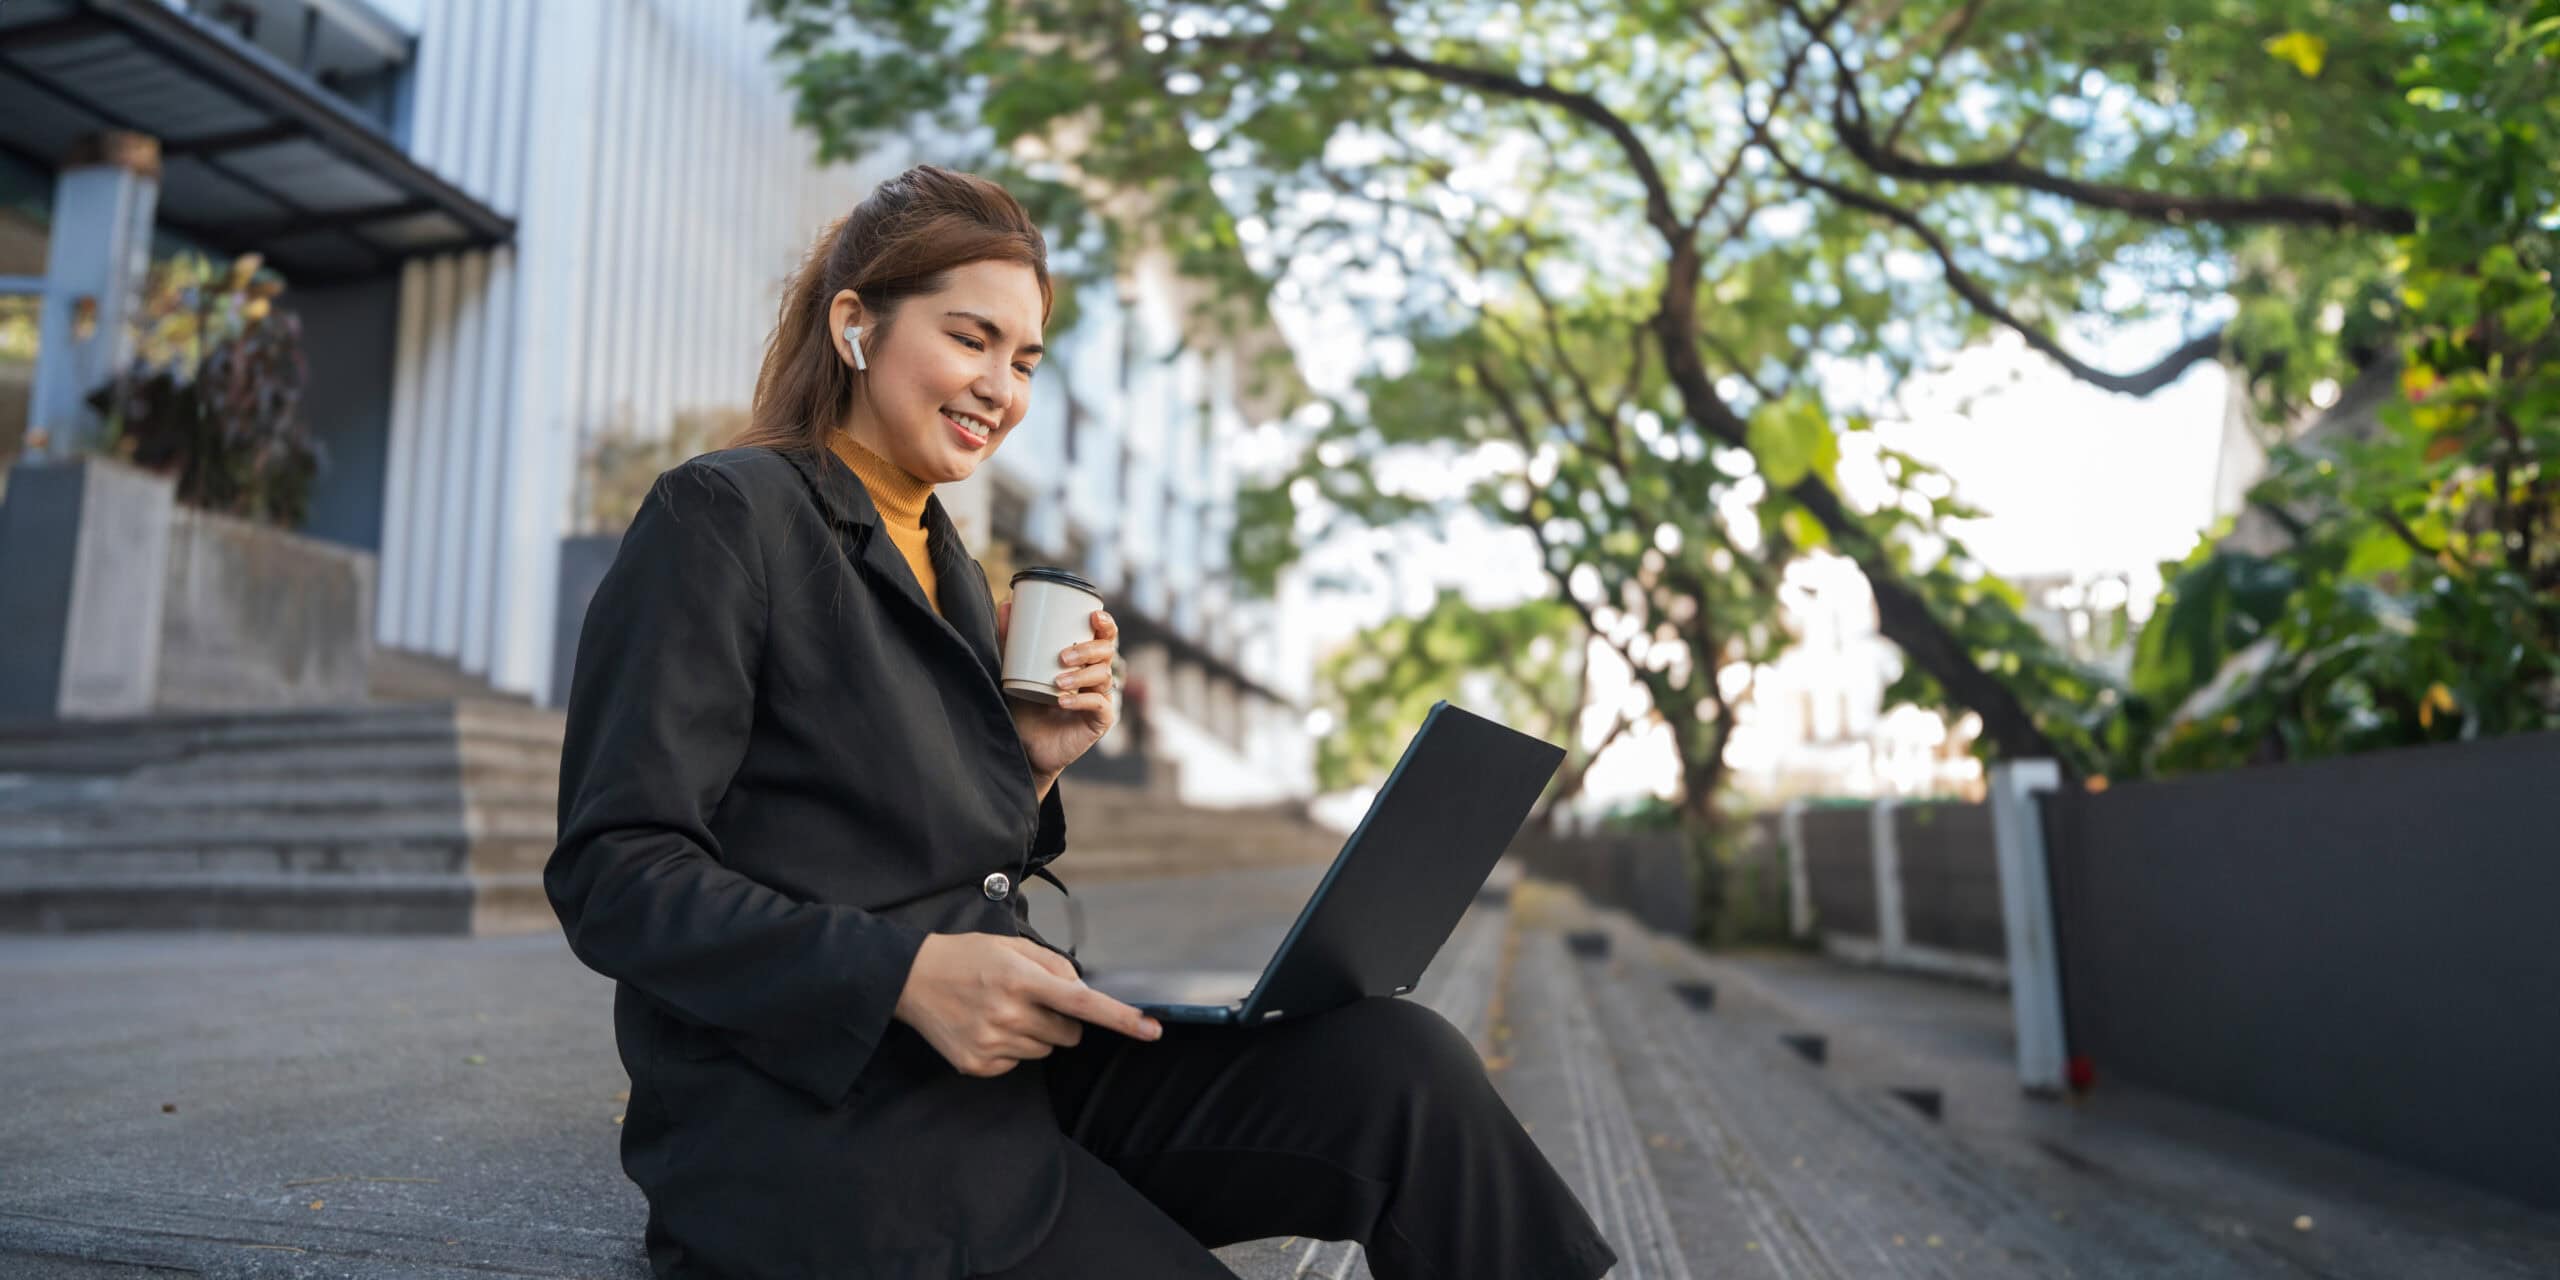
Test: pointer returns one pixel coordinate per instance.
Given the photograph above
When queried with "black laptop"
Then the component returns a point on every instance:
(1395, 892)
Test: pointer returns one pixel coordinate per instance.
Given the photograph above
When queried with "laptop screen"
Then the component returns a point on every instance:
(1394, 894)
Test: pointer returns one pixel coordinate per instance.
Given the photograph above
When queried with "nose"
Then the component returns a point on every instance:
(994, 394)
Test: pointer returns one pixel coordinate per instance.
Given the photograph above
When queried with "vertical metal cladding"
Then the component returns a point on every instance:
(661, 193)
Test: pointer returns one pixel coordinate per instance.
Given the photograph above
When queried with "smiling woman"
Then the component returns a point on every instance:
(913, 329)
(794, 808)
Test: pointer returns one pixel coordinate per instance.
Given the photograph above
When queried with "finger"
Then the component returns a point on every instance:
(1004, 615)
(1017, 1048)
(1104, 644)
(1056, 965)
(1021, 1046)
(1103, 1011)
(1052, 1027)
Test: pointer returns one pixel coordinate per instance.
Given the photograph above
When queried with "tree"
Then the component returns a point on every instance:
(1527, 664)
(1616, 260)
(2412, 593)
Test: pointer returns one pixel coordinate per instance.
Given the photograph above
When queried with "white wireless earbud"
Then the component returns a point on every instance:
(853, 339)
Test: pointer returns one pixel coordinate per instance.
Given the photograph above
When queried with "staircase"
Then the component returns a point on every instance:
(431, 817)
(411, 816)
(1121, 832)
(405, 675)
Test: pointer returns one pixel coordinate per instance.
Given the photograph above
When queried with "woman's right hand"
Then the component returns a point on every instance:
(986, 1001)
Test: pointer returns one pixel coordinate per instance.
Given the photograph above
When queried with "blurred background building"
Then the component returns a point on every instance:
(517, 232)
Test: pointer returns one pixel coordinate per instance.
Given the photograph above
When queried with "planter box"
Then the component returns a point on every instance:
(122, 602)
(583, 559)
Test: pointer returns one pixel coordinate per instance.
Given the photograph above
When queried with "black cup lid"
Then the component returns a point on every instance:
(1057, 575)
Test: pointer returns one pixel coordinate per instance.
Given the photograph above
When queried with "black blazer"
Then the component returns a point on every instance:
(782, 771)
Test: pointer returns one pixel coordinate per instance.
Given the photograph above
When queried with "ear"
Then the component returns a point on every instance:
(844, 309)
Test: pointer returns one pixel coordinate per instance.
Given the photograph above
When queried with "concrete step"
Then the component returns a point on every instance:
(99, 803)
(406, 675)
(374, 903)
(1779, 1163)
(427, 851)
(1082, 863)
(289, 743)
(1562, 1078)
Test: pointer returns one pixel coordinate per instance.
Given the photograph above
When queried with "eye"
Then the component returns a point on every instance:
(1026, 369)
(973, 343)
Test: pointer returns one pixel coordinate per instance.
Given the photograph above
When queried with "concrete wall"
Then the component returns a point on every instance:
(83, 558)
(256, 618)
(2361, 948)
(121, 602)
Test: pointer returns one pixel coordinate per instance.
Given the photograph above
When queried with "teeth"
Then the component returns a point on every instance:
(966, 425)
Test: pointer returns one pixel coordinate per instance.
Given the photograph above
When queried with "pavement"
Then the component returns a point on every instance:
(274, 1106)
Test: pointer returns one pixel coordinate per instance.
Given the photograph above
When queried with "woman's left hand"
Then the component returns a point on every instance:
(1054, 736)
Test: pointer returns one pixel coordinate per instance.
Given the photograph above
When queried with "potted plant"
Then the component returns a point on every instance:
(161, 569)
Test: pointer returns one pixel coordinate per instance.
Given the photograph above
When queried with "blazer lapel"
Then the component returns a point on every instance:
(966, 616)
(966, 604)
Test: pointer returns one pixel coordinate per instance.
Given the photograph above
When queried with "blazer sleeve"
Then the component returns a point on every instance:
(660, 708)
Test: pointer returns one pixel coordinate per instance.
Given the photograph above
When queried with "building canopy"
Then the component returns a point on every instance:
(260, 152)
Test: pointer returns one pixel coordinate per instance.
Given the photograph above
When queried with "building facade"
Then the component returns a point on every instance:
(512, 229)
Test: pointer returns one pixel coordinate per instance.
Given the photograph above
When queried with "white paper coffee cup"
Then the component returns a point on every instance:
(1052, 609)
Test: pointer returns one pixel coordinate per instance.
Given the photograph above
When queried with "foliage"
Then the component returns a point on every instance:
(2412, 591)
(1625, 270)
(1523, 665)
(215, 392)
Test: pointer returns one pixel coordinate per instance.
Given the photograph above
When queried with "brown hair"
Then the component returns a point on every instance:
(904, 239)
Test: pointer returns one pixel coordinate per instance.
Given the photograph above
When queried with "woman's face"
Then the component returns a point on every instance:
(949, 379)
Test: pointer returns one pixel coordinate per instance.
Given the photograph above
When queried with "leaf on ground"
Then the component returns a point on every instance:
(476, 1060)
(317, 1203)
(2302, 1223)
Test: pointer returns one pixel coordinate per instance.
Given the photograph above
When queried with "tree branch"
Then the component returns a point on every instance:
(2140, 383)
(1582, 106)
(1849, 121)
(2172, 208)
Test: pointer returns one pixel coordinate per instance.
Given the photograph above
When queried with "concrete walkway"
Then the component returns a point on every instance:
(234, 1105)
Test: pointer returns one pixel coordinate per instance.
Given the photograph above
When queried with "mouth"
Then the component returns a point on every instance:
(973, 432)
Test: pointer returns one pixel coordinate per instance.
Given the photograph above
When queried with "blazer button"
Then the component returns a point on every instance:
(997, 886)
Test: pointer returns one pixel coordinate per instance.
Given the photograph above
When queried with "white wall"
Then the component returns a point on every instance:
(662, 195)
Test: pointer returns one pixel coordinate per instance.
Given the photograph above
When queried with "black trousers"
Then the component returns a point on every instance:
(1374, 1122)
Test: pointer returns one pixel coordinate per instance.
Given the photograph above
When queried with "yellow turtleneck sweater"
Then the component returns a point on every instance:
(900, 498)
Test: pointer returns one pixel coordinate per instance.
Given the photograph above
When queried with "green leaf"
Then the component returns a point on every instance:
(1802, 529)
(2378, 552)
(1791, 438)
